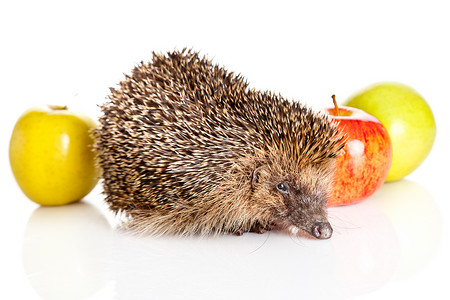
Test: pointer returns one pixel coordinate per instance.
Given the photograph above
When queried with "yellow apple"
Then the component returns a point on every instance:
(51, 155)
(408, 119)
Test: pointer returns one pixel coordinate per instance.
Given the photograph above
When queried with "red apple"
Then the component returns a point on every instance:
(366, 158)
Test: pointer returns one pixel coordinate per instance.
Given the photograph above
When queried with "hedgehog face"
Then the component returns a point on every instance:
(299, 199)
(305, 209)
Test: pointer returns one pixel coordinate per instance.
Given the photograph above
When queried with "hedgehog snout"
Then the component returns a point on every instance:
(305, 210)
(321, 230)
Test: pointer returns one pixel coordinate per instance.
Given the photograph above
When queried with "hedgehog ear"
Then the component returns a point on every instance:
(256, 174)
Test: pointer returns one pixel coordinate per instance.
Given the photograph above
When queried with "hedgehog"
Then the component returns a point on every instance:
(186, 147)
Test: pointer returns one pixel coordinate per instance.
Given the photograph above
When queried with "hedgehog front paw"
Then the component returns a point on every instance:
(239, 232)
(259, 228)
(256, 228)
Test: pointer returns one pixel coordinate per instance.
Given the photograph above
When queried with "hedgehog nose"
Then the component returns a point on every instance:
(322, 230)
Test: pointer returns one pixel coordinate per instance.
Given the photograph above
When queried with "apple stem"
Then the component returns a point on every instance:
(336, 107)
(57, 107)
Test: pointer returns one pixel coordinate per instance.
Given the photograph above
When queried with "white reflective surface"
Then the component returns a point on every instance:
(77, 252)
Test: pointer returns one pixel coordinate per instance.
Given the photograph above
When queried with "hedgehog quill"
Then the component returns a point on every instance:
(185, 147)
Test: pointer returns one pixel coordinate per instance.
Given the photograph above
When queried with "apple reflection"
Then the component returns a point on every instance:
(366, 247)
(416, 220)
(63, 250)
(391, 235)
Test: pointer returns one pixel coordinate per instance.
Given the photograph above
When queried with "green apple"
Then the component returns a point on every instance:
(51, 156)
(408, 120)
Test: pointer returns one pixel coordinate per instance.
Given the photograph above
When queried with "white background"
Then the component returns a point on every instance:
(395, 244)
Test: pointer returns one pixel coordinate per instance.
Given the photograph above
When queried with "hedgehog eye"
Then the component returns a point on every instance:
(283, 188)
